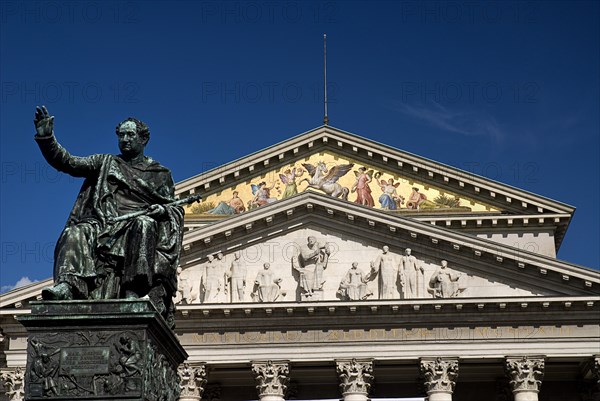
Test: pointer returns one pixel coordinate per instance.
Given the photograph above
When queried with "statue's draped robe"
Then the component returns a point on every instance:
(112, 188)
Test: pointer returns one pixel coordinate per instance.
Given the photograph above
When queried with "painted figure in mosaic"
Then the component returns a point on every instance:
(412, 270)
(212, 280)
(362, 188)
(415, 199)
(444, 282)
(389, 199)
(236, 275)
(123, 236)
(386, 268)
(234, 206)
(262, 195)
(324, 179)
(266, 285)
(289, 179)
(310, 263)
(354, 285)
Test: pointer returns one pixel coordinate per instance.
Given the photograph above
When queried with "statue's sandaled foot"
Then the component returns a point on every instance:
(58, 292)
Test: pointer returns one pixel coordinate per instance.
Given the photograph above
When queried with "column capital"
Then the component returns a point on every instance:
(14, 383)
(356, 375)
(271, 377)
(596, 370)
(192, 379)
(439, 374)
(525, 373)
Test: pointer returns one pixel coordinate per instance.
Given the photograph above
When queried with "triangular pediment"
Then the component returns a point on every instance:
(274, 234)
(443, 192)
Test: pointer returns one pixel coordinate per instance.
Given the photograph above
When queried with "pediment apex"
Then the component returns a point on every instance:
(333, 139)
(315, 209)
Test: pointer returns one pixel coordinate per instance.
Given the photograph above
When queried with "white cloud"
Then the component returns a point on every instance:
(20, 283)
(465, 123)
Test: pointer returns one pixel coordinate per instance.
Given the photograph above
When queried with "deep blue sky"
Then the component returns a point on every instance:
(507, 90)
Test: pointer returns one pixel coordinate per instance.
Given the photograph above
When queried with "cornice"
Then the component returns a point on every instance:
(456, 312)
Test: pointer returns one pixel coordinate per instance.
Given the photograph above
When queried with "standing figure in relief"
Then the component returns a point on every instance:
(211, 282)
(444, 282)
(361, 187)
(310, 263)
(412, 270)
(266, 285)
(385, 267)
(354, 285)
(236, 275)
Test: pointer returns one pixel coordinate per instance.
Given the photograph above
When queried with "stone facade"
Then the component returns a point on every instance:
(364, 301)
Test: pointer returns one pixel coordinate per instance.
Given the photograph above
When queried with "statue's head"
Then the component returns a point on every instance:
(210, 258)
(354, 265)
(386, 249)
(311, 240)
(133, 137)
(219, 255)
(407, 251)
(444, 263)
(267, 266)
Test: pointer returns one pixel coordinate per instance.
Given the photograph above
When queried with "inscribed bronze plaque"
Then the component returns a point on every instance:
(84, 360)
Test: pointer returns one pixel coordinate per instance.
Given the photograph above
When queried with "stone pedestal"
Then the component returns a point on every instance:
(100, 350)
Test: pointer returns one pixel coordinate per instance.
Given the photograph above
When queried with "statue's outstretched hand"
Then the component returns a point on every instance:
(44, 122)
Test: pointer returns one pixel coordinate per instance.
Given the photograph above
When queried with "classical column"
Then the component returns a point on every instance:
(439, 375)
(192, 379)
(271, 379)
(525, 374)
(355, 378)
(13, 382)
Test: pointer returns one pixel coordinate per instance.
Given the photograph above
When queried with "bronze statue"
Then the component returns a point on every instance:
(123, 236)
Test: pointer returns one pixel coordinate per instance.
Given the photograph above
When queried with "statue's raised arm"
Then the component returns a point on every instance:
(44, 122)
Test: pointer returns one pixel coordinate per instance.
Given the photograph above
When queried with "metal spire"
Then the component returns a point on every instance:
(325, 118)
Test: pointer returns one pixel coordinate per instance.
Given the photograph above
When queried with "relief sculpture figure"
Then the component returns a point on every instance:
(386, 268)
(353, 286)
(310, 263)
(212, 280)
(444, 282)
(123, 236)
(266, 285)
(412, 270)
(236, 275)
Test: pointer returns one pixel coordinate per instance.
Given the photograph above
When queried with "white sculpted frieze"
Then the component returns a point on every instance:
(314, 265)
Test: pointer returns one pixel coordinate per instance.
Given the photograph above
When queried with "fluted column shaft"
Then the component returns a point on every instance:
(525, 374)
(271, 379)
(439, 375)
(355, 378)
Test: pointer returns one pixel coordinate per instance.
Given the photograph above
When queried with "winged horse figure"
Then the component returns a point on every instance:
(326, 180)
